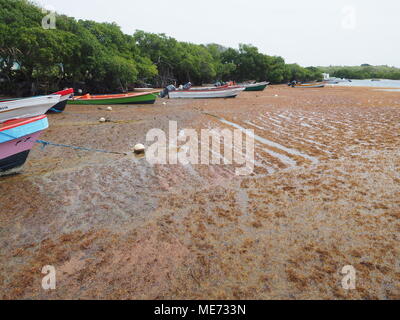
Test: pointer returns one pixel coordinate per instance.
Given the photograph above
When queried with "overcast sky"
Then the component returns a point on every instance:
(309, 32)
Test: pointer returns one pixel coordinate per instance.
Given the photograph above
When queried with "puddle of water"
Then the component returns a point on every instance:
(306, 125)
(284, 117)
(388, 90)
(284, 159)
(254, 125)
(254, 162)
(272, 143)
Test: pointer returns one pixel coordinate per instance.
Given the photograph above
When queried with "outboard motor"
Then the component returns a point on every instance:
(187, 86)
(167, 89)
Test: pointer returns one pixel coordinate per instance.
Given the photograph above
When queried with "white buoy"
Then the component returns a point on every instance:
(276, 95)
(109, 108)
(139, 148)
(102, 119)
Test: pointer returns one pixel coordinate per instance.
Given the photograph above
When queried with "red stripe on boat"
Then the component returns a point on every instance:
(19, 122)
(111, 96)
(211, 90)
(65, 92)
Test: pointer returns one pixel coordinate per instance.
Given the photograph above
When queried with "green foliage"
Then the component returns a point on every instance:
(99, 57)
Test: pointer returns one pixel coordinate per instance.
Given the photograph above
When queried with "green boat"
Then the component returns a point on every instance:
(128, 98)
(256, 86)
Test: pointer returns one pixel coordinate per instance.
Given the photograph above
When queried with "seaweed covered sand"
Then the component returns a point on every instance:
(324, 194)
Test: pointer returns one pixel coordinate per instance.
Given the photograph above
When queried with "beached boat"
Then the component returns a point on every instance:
(309, 85)
(128, 98)
(17, 137)
(65, 95)
(60, 106)
(27, 107)
(335, 80)
(230, 92)
(260, 86)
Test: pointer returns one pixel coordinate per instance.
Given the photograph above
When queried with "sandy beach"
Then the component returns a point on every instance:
(325, 193)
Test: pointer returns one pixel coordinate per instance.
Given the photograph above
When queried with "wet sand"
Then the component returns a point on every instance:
(325, 193)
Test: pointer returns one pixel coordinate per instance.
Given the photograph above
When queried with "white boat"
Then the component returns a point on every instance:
(258, 86)
(206, 94)
(309, 85)
(333, 80)
(28, 107)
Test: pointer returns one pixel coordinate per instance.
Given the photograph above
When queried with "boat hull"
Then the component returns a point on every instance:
(257, 88)
(205, 94)
(26, 108)
(9, 148)
(148, 98)
(59, 107)
(16, 129)
(13, 164)
(310, 86)
(17, 137)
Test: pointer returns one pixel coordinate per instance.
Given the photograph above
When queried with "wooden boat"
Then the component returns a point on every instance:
(65, 95)
(230, 92)
(128, 98)
(60, 106)
(335, 80)
(260, 86)
(17, 137)
(27, 107)
(309, 85)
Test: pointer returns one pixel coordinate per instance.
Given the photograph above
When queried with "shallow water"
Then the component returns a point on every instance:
(369, 83)
(389, 90)
(273, 144)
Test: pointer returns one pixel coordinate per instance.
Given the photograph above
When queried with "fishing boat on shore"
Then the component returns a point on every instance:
(60, 106)
(17, 137)
(335, 80)
(229, 92)
(27, 107)
(260, 86)
(127, 98)
(308, 85)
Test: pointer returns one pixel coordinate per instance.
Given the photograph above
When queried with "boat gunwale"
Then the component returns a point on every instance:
(212, 90)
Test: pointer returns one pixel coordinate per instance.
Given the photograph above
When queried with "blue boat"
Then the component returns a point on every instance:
(17, 138)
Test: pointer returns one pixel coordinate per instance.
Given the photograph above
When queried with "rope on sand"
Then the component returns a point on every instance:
(47, 143)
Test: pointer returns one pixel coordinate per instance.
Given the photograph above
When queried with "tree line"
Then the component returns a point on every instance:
(100, 58)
